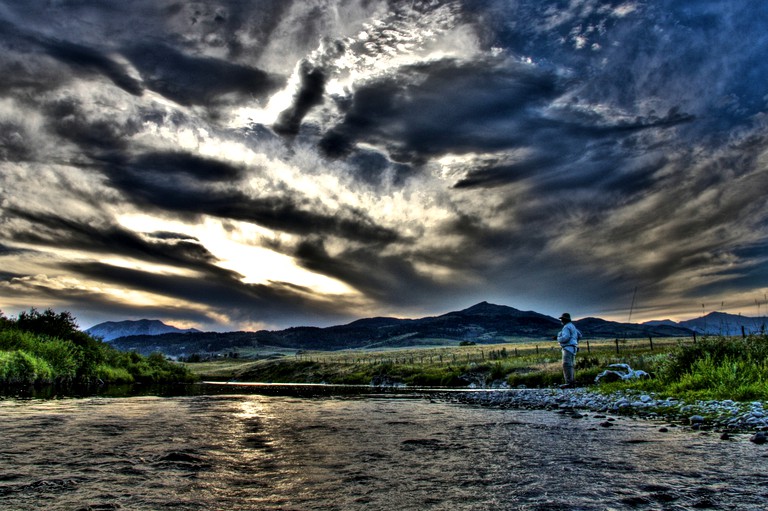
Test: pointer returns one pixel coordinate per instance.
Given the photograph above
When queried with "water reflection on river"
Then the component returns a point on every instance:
(256, 452)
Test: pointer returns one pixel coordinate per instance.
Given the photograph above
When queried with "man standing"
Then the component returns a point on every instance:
(569, 344)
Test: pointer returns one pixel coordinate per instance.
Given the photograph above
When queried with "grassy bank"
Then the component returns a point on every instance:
(711, 368)
(715, 368)
(46, 348)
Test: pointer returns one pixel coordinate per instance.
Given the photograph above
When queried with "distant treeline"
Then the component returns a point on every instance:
(48, 348)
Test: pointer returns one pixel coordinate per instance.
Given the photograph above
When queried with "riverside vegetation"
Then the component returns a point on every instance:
(47, 348)
(709, 368)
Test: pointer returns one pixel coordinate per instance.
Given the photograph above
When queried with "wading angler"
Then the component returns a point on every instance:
(569, 344)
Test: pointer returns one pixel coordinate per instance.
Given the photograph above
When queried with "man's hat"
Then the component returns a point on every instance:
(565, 316)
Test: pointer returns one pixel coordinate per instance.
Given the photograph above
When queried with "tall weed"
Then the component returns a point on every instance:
(728, 378)
(20, 367)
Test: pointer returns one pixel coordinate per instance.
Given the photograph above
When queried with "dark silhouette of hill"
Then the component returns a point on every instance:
(110, 330)
(721, 323)
(483, 323)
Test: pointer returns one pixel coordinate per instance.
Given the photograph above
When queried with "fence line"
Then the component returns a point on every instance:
(448, 355)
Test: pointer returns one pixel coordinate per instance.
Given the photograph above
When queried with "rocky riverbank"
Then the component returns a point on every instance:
(721, 416)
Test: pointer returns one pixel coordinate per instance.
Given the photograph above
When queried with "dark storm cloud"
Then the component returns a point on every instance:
(6, 250)
(22, 74)
(243, 302)
(13, 143)
(445, 106)
(623, 141)
(69, 121)
(604, 151)
(154, 181)
(454, 107)
(310, 94)
(191, 80)
(97, 237)
(92, 60)
(394, 280)
(747, 278)
(82, 59)
(192, 165)
(169, 71)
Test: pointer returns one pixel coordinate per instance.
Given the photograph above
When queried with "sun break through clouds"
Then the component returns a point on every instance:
(263, 164)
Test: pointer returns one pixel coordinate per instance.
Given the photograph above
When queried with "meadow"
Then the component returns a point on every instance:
(46, 348)
(705, 368)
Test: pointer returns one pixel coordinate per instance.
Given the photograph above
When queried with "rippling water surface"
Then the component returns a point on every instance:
(255, 452)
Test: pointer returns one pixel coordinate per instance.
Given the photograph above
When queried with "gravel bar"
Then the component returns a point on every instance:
(726, 416)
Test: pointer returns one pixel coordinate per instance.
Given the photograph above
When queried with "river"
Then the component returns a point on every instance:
(410, 451)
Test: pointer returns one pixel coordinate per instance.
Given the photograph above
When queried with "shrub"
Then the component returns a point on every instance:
(113, 374)
(62, 325)
(20, 367)
(47, 348)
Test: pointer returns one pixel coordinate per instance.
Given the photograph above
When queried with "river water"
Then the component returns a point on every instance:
(249, 451)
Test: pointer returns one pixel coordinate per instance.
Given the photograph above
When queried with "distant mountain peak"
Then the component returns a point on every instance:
(718, 323)
(482, 323)
(488, 308)
(110, 330)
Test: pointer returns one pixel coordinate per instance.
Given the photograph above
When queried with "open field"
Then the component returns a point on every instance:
(532, 363)
(489, 352)
(709, 368)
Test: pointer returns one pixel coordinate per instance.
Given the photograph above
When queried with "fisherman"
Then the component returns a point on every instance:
(569, 344)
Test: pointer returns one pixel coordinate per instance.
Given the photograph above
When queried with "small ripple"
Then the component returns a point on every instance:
(100, 507)
(42, 486)
(425, 443)
(181, 460)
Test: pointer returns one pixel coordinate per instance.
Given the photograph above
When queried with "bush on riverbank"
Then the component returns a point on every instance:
(713, 368)
(48, 348)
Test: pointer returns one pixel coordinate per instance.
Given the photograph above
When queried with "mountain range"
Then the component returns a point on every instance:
(718, 323)
(111, 330)
(483, 323)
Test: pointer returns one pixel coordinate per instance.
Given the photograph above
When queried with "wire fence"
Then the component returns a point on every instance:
(489, 352)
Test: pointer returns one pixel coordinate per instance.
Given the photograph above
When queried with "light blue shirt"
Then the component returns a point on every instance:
(569, 337)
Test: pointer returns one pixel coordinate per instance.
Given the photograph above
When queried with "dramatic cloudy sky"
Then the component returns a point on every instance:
(245, 164)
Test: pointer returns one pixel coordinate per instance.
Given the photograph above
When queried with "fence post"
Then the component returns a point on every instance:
(617, 345)
(651, 340)
(743, 333)
(588, 350)
(694, 337)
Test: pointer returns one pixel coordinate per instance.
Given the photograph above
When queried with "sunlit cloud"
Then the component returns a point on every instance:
(236, 247)
(227, 165)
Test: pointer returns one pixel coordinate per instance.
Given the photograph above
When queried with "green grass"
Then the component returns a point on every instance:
(520, 363)
(48, 348)
(19, 367)
(712, 368)
(715, 368)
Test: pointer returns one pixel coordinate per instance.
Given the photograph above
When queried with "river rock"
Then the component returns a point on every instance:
(759, 438)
